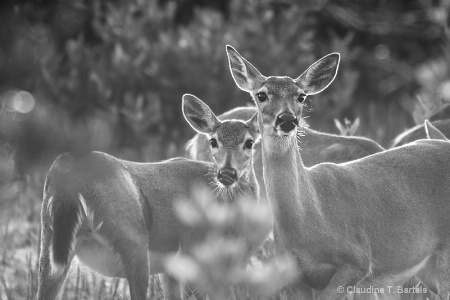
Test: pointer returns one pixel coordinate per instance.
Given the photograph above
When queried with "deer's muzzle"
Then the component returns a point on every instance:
(286, 122)
(227, 176)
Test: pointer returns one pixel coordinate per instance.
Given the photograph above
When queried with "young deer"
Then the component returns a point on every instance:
(378, 220)
(108, 212)
(317, 147)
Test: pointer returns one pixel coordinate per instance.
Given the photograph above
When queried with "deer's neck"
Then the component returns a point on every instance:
(249, 184)
(291, 195)
(253, 185)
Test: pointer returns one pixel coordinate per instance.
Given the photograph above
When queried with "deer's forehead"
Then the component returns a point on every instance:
(281, 86)
(232, 133)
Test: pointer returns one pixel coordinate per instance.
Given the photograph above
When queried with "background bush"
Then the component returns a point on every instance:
(109, 75)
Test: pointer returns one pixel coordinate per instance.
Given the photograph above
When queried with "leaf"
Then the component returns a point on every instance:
(182, 267)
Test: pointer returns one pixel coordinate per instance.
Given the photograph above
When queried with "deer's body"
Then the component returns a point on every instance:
(343, 218)
(379, 220)
(127, 207)
(418, 132)
(117, 216)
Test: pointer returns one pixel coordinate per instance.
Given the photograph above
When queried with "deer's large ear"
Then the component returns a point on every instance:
(244, 73)
(433, 132)
(320, 74)
(199, 115)
(253, 125)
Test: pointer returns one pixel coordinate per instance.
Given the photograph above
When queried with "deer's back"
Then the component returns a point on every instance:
(121, 191)
(391, 171)
(318, 147)
(103, 181)
(100, 178)
(365, 199)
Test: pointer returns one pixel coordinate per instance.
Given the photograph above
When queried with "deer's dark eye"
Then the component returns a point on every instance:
(249, 144)
(261, 96)
(213, 143)
(301, 98)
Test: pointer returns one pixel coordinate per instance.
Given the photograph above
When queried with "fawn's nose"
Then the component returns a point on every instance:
(286, 121)
(227, 176)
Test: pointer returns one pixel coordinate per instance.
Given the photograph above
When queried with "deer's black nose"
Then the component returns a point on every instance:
(227, 176)
(286, 121)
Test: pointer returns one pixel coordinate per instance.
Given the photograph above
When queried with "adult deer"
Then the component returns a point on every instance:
(108, 212)
(317, 147)
(378, 220)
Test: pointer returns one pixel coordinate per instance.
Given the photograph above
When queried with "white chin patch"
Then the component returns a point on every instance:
(227, 186)
(282, 133)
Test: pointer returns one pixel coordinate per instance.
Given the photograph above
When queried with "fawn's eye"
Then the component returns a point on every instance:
(261, 96)
(213, 142)
(301, 98)
(249, 144)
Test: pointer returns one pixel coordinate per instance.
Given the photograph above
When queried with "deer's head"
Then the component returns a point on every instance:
(280, 99)
(231, 141)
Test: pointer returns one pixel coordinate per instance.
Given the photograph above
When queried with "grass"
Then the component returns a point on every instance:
(19, 235)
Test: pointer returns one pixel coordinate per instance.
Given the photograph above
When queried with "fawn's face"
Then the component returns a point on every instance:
(232, 150)
(280, 99)
(231, 141)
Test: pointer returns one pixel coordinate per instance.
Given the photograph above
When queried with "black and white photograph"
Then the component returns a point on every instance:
(225, 149)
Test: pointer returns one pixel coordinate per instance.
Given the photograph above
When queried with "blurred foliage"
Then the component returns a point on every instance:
(109, 75)
(349, 128)
(223, 263)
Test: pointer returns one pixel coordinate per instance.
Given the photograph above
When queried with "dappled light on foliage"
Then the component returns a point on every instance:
(222, 260)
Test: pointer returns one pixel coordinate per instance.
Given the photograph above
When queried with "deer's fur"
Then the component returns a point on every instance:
(117, 217)
(378, 220)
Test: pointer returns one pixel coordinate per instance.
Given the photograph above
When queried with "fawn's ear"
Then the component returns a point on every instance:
(253, 125)
(433, 132)
(199, 115)
(244, 73)
(319, 75)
